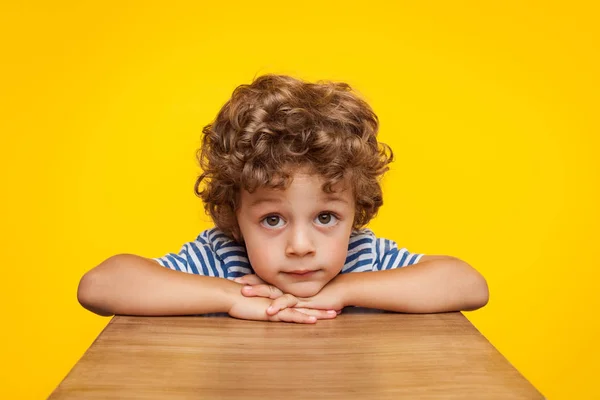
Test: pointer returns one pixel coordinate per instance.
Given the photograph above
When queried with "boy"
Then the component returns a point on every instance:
(290, 177)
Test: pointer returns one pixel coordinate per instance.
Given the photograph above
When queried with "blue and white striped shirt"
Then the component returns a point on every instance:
(215, 254)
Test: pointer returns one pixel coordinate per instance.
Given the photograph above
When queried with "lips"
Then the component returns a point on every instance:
(301, 272)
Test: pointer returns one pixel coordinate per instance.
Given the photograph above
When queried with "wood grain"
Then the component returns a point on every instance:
(359, 355)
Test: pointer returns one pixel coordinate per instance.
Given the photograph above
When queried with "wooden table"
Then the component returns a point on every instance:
(359, 355)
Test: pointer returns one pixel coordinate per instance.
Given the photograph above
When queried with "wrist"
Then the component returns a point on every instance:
(345, 284)
(230, 294)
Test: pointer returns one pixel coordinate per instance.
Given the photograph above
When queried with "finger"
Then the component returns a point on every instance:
(281, 303)
(268, 291)
(320, 314)
(250, 279)
(293, 315)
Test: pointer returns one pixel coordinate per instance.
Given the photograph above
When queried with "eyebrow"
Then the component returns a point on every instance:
(266, 200)
(262, 200)
(333, 197)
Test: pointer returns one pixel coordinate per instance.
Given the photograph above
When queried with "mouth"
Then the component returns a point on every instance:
(302, 273)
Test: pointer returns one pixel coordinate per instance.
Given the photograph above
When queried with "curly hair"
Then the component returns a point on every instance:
(277, 124)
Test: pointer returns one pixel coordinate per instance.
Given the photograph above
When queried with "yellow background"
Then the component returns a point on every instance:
(492, 110)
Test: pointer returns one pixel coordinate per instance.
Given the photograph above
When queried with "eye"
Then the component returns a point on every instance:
(326, 219)
(272, 221)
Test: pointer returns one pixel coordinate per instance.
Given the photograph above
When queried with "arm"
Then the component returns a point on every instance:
(134, 285)
(435, 284)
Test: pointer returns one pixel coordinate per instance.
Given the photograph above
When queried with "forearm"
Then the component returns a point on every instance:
(427, 287)
(133, 285)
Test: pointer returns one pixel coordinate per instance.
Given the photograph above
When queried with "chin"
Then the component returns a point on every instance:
(304, 289)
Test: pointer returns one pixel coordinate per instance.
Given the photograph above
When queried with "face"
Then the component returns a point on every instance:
(297, 238)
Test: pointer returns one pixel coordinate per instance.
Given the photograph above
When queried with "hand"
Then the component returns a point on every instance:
(329, 298)
(259, 308)
(254, 286)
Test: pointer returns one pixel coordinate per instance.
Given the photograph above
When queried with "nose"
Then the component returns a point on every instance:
(300, 242)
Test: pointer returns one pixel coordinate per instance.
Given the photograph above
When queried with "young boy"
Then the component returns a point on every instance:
(290, 178)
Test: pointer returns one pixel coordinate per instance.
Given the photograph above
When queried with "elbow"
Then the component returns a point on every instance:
(92, 290)
(86, 291)
(470, 289)
(477, 290)
(480, 297)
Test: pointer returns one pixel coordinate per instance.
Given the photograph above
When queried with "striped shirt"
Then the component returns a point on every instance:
(215, 254)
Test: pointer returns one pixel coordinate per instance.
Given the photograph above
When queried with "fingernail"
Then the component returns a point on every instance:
(271, 309)
(331, 312)
(247, 288)
(312, 318)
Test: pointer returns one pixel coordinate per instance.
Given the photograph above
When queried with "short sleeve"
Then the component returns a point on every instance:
(389, 256)
(212, 254)
(197, 257)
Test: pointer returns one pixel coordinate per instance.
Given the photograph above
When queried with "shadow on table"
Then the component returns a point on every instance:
(347, 310)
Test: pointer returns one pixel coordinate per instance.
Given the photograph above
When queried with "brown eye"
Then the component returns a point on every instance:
(325, 218)
(273, 220)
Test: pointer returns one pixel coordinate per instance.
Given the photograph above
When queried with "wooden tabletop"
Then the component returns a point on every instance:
(359, 355)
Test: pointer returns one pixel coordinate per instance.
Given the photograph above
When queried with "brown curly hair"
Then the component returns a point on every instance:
(277, 124)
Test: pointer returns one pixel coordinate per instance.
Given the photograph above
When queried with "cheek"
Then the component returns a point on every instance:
(260, 257)
(337, 252)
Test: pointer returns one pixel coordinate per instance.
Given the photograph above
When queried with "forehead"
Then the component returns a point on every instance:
(302, 185)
